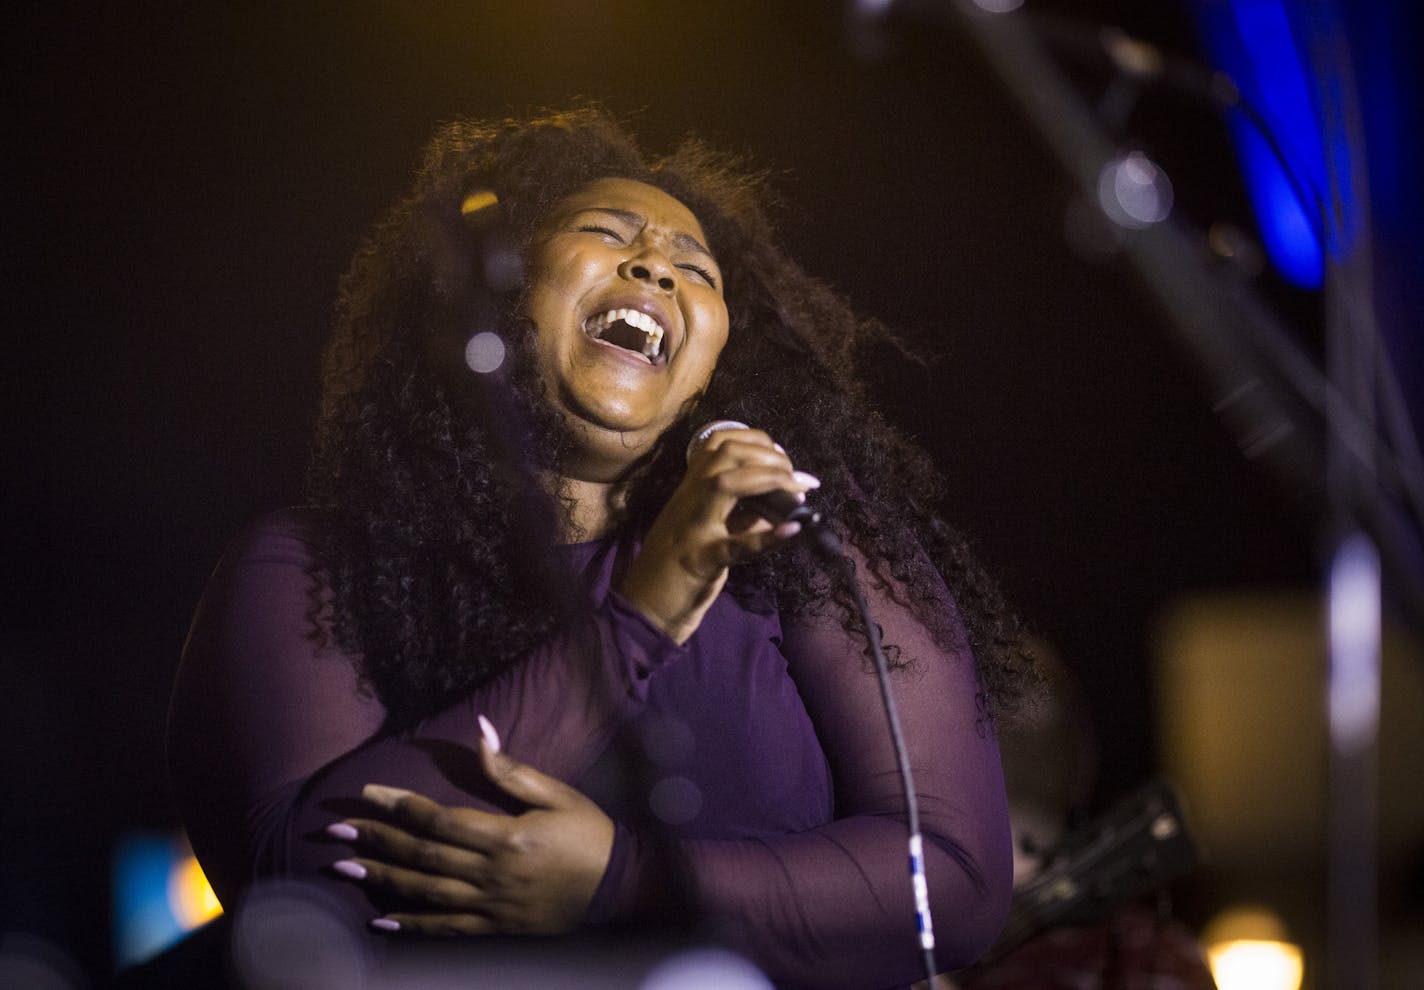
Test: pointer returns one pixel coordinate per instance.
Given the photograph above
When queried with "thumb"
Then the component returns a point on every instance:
(517, 779)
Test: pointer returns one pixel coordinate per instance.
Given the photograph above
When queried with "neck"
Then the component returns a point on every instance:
(592, 507)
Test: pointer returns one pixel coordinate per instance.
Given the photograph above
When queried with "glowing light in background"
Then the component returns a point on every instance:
(484, 352)
(998, 6)
(160, 894)
(292, 934)
(1247, 948)
(873, 8)
(1355, 621)
(1134, 192)
(190, 896)
(705, 969)
(1252, 41)
(32, 963)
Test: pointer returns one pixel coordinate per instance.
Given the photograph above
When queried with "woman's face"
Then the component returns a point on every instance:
(628, 305)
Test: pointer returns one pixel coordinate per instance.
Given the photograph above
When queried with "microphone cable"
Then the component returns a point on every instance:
(815, 529)
(826, 543)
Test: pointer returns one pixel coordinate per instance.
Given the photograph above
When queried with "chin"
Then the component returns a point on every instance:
(605, 413)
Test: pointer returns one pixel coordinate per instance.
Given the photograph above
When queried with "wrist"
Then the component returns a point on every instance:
(677, 615)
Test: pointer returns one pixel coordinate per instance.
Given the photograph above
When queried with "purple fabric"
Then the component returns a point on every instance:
(776, 765)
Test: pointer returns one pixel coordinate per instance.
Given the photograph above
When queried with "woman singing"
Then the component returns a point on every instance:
(418, 691)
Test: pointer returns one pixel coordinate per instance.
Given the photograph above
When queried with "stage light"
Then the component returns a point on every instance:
(1355, 621)
(1260, 45)
(484, 352)
(1247, 948)
(159, 895)
(190, 896)
(705, 969)
(1134, 192)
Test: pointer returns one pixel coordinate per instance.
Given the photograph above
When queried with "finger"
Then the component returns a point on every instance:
(449, 893)
(396, 800)
(463, 855)
(435, 924)
(466, 827)
(754, 542)
(524, 782)
(732, 453)
(739, 482)
(747, 435)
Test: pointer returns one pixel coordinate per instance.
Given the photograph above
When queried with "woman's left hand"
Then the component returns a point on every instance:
(481, 872)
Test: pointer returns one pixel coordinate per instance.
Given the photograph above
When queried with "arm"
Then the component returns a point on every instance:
(834, 903)
(833, 906)
(262, 699)
(270, 726)
(830, 906)
(557, 708)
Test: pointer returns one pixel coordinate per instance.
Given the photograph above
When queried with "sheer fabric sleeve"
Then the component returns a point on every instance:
(272, 736)
(832, 906)
(263, 698)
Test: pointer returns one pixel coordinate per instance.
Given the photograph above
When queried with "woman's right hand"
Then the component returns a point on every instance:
(463, 871)
(701, 532)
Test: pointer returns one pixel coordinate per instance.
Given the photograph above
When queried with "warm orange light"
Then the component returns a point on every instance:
(478, 200)
(1247, 948)
(1251, 965)
(190, 896)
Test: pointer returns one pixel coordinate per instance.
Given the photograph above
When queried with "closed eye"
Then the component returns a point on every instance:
(593, 228)
(701, 272)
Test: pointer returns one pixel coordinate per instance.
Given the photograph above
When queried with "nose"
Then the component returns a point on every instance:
(651, 267)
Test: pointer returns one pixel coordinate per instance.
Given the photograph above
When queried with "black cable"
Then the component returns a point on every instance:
(1387, 454)
(826, 543)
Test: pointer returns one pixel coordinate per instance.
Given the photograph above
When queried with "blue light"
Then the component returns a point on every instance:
(1253, 42)
(1286, 231)
(144, 924)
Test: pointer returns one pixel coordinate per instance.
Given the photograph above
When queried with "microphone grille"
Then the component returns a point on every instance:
(700, 437)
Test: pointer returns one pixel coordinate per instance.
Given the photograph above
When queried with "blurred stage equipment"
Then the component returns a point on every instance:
(1138, 847)
(1338, 430)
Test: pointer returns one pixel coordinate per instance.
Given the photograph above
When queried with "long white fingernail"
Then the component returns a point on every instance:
(383, 796)
(349, 868)
(343, 831)
(805, 479)
(491, 736)
(386, 924)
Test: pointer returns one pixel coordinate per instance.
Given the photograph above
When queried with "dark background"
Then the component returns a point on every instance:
(193, 179)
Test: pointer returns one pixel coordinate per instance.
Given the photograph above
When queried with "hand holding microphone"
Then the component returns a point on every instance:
(775, 506)
(741, 496)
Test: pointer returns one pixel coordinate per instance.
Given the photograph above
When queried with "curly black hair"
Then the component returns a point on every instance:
(438, 577)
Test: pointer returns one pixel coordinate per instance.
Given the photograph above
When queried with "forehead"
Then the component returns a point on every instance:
(649, 202)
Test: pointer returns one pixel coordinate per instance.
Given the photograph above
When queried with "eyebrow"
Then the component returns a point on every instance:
(681, 238)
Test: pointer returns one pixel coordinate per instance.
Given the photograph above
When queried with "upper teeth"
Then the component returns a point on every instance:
(652, 329)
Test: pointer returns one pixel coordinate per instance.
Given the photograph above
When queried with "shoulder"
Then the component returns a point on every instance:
(294, 535)
(274, 565)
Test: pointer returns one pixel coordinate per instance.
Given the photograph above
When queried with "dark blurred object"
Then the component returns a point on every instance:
(1140, 846)
(1135, 948)
(200, 960)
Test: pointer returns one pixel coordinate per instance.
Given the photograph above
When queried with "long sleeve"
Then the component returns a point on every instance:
(832, 906)
(800, 840)
(272, 735)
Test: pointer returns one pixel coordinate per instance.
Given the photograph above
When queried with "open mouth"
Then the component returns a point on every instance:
(630, 329)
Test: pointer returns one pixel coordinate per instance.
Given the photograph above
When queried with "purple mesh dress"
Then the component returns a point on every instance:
(776, 774)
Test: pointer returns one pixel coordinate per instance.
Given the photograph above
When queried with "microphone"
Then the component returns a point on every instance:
(776, 506)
